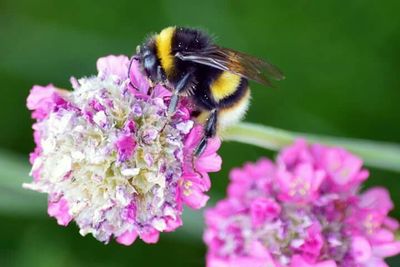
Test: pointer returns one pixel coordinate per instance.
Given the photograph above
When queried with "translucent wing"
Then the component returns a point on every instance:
(236, 62)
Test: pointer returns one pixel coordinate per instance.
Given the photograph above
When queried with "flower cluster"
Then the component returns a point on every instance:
(304, 210)
(112, 159)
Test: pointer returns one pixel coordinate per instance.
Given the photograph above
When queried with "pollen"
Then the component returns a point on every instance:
(299, 187)
(187, 188)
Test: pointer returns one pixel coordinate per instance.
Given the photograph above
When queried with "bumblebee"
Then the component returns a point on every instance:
(215, 78)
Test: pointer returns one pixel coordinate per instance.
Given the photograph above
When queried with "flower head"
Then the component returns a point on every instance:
(111, 158)
(306, 210)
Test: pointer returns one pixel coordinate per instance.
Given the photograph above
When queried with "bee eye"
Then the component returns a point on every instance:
(149, 61)
(146, 53)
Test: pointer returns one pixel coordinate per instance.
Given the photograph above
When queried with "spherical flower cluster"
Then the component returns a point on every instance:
(305, 210)
(112, 159)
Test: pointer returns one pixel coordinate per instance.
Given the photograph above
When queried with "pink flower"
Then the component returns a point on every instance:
(301, 212)
(310, 247)
(264, 209)
(259, 257)
(43, 99)
(208, 161)
(138, 80)
(125, 147)
(293, 155)
(242, 182)
(196, 180)
(114, 65)
(343, 168)
(112, 159)
(59, 210)
(298, 261)
(377, 199)
(361, 250)
(127, 238)
(300, 185)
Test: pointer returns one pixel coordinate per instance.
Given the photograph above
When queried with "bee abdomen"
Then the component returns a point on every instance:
(233, 91)
(224, 85)
(234, 112)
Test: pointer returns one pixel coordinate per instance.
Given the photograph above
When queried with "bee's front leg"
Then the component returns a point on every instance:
(180, 86)
(176, 90)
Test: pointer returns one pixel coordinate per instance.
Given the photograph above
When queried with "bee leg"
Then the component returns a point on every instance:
(160, 74)
(180, 86)
(160, 78)
(210, 129)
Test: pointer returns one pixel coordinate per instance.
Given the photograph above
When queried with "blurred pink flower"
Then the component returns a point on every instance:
(111, 159)
(304, 211)
(264, 209)
(300, 185)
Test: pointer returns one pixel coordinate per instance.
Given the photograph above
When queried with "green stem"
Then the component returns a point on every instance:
(14, 171)
(376, 154)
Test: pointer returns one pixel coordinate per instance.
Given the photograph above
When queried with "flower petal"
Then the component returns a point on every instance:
(387, 249)
(360, 249)
(59, 209)
(138, 80)
(127, 238)
(113, 65)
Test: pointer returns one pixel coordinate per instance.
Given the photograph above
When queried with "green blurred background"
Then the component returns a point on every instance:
(341, 60)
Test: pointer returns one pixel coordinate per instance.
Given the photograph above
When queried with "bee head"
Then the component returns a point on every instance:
(148, 60)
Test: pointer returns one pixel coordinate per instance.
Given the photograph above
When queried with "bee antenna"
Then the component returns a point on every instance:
(135, 57)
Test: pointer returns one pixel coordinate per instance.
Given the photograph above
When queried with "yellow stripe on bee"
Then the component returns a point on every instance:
(164, 44)
(225, 85)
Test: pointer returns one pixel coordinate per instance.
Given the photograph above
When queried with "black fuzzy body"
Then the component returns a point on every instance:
(202, 76)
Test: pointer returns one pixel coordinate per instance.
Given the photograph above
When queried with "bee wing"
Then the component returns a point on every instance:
(236, 62)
